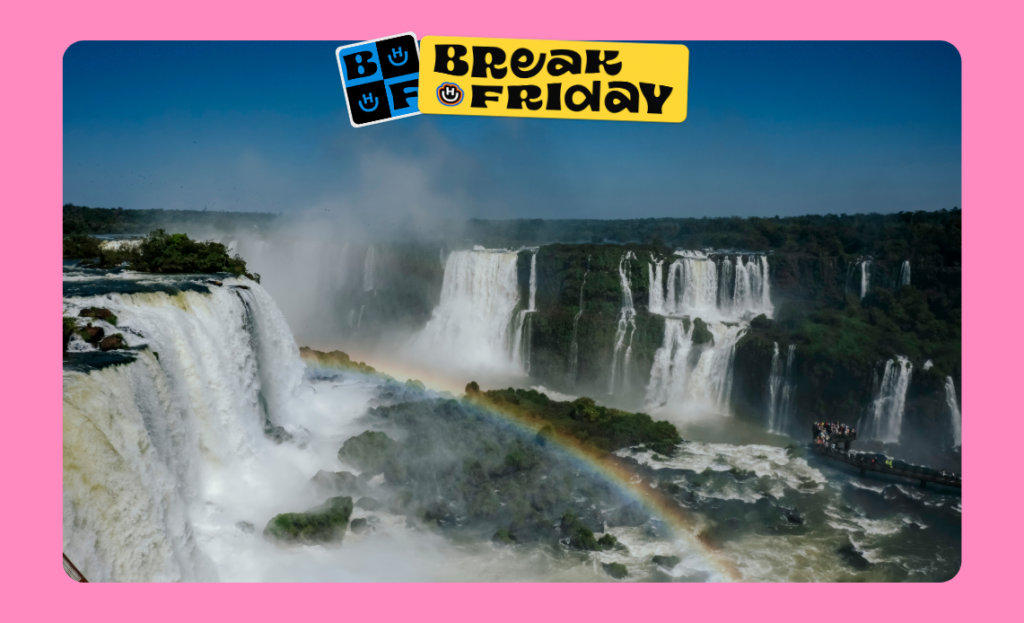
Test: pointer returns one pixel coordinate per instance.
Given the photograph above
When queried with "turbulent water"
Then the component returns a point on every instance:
(624, 332)
(173, 466)
(954, 411)
(473, 321)
(884, 419)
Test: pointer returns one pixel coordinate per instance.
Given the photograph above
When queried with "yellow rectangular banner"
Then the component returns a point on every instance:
(553, 79)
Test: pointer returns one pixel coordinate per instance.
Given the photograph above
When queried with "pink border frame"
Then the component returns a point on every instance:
(35, 586)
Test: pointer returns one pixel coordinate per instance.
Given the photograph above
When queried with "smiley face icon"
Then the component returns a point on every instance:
(450, 94)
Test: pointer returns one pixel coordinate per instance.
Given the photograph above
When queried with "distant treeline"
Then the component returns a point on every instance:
(93, 221)
(931, 237)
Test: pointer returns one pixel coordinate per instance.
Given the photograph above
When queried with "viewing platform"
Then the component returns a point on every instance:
(833, 440)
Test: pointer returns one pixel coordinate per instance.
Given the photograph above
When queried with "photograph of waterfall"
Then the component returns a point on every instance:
(471, 349)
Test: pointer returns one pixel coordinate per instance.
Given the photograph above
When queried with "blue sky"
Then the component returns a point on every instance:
(773, 128)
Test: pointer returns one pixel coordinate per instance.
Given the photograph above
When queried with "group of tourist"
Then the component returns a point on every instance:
(826, 430)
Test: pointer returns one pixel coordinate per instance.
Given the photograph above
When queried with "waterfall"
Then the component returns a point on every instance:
(780, 391)
(954, 411)
(147, 443)
(370, 269)
(774, 388)
(905, 273)
(626, 325)
(865, 277)
(574, 350)
(884, 419)
(471, 324)
(656, 291)
(687, 378)
(523, 329)
(699, 285)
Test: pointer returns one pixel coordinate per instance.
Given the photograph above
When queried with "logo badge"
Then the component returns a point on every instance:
(450, 94)
(381, 79)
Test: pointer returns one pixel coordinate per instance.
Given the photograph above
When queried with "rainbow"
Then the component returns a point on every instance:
(607, 466)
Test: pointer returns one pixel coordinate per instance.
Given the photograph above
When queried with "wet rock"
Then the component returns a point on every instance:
(337, 482)
(669, 562)
(99, 313)
(214, 282)
(359, 526)
(503, 537)
(113, 342)
(609, 542)
(849, 554)
(242, 287)
(245, 527)
(793, 516)
(91, 334)
(367, 503)
(276, 433)
(321, 524)
(615, 569)
(369, 451)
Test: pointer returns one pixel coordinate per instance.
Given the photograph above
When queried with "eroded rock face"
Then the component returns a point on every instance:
(322, 524)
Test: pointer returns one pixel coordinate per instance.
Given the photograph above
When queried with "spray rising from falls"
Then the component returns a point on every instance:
(626, 326)
(780, 391)
(954, 411)
(884, 419)
(147, 442)
(522, 334)
(574, 349)
(471, 325)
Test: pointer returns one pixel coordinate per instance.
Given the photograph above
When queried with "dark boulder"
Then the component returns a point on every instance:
(701, 334)
(99, 313)
(336, 482)
(322, 524)
(113, 342)
(669, 562)
(368, 452)
(367, 503)
(214, 282)
(849, 554)
(245, 527)
(91, 334)
(615, 569)
(793, 516)
(359, 526)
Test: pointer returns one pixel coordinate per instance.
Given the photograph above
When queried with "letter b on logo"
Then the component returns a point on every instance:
(359, 65)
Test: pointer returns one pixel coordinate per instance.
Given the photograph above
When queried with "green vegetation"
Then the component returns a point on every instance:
(159, 252)
(615, 569)
(93, 221)
(335, 359)
(324, 523)
(368, 452)
(884, 236)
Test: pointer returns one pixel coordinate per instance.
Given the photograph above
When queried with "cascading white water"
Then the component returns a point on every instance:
(146, 443)
(656, 294)
(865, 277)
(370, 269)
(905, 273)
(884, 419)
(626, 326)
(780, 391)
(685, 377)
(785, 408)
(954, 411)
(697, 285)
(574, 349)
(472, 322)
(523, 329)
